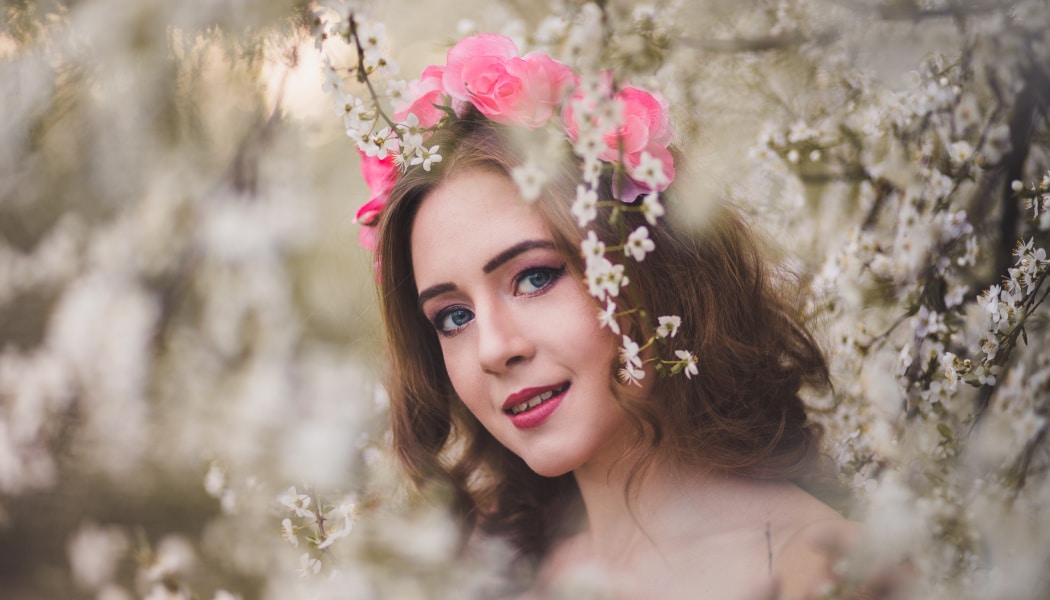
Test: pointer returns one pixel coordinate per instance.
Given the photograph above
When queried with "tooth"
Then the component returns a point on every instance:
(546, 395)
(535, 401)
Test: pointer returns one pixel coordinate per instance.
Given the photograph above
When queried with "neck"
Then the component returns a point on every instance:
(632, 510)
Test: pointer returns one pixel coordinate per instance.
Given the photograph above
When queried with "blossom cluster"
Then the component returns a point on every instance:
(627, 127)
(939, 281)
(322, 526)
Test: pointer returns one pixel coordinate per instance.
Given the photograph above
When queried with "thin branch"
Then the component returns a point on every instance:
(758, 44)
(897, 10)
(362, 75)
(854, 174)
(1026, 460)
(1020, 129)
(985, 397)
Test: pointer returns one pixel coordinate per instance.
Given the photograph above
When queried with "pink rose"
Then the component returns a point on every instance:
(367, 237)
(510, 90)
(645, 126)
(631, 188)
(368, 217)
(424, 92)
(478, 51)
(644, 123)
(380, 175)
(368, 214)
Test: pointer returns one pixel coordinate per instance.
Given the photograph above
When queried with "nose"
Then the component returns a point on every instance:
(502, 341)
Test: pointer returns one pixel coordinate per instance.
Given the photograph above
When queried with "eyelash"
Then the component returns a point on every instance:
(554, 273)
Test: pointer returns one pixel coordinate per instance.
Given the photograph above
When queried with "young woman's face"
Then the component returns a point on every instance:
(519, 335)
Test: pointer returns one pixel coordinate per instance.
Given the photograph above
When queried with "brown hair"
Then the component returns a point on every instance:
(741, 414)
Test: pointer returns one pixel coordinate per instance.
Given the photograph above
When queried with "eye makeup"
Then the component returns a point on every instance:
(530, 281)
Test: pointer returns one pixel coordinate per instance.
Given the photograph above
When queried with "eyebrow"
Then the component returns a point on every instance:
(492, 265)
(434, 290)
(513, 251)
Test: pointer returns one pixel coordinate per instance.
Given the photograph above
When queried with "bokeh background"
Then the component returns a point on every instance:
(190, 352)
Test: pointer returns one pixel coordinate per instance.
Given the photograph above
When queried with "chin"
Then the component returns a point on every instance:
(551, 472)
(551, 469)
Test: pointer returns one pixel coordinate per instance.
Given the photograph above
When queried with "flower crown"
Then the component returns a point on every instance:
(622, 129)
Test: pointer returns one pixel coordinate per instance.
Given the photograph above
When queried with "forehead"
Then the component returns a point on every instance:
(465, 221)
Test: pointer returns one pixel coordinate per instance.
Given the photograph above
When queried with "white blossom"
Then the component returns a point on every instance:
(638, 244)
(215, 480)
(530, 179)
(426, 157)
(308, 565)
(585, 207)
(396, 90)
(650, 171)
(592, 248)
(652, 208)
(298, 503)
(607, 317)
(631, 374)
(690, 360)
(380, 143)
(288, 532)
(629, 353)
(960, 151)
(339, 523)
(94, 553)
(173, 557)
(605, 278)
(668, 326)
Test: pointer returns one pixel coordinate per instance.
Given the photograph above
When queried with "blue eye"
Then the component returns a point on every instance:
(452, 319)
(534, 281)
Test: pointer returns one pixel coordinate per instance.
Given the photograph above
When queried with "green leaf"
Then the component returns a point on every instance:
(945, 431)
(447, 110)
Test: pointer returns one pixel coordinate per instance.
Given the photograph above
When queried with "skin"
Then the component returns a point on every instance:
(510, 322)
(509, 318)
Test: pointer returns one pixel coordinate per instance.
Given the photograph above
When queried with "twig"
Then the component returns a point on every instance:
(757, 44)
(362, 75)
(910, 11)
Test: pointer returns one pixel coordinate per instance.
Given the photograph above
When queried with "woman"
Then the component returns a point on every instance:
(508, 391)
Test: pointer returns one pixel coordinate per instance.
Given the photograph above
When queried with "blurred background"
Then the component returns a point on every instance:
(190, 352)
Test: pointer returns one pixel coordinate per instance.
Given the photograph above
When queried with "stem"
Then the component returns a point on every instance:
(1026, 461)
(320, 515)
(1020, 129)
(885, 334)
(362, 75)
(910, 11)
(1026, 311)
(759, 44)
(985, 397)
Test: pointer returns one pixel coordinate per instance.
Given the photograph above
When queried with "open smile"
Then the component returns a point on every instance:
(532, 406)
(537, 399)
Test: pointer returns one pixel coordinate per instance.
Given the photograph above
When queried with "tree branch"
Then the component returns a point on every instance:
(757, 44)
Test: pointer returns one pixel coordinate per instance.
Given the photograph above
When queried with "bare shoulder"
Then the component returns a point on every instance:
(803, 562)
(566, 555)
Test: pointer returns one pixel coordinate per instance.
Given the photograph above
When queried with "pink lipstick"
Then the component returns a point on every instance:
(532, 406)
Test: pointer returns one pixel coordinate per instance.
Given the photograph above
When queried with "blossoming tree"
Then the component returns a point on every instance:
(188, 398)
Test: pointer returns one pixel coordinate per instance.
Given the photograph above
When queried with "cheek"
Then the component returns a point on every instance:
(464, 380)
(580, 324)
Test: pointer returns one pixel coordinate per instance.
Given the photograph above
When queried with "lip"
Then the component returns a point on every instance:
(533, 417)
(518, 397)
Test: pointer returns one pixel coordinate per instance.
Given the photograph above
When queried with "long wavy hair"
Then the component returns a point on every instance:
(741, 414)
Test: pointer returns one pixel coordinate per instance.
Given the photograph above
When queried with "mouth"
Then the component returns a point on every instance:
(537, 399)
